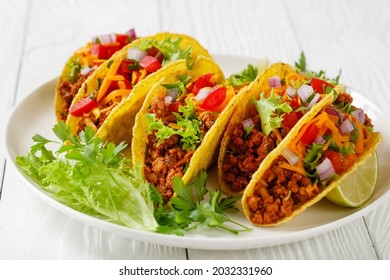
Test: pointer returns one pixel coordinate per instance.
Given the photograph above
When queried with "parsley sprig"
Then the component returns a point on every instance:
(189, 210)
(302, 66)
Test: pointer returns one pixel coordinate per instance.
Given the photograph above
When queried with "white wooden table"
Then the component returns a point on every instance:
(37, 36)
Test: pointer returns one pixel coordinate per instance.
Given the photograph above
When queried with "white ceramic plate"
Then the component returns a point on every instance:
(35, 115)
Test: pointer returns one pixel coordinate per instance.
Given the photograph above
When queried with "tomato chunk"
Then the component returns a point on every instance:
(214, 99)
(319, 85)
(150, 63)
(84, 105)
(336, 159)
(310, 134)
(105, 51)
(129, 65)
(123, 39)
(201, 82)
(290, 119)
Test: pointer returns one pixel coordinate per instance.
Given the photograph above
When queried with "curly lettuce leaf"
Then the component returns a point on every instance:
(91, 177)
(271, 111)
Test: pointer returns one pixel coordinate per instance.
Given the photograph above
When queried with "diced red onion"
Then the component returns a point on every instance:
(203, 93)
(346, 127)
(290, 156)
(314, 100)
(334, 112)
(274, 82)
(290, 91)
(325, 169)
(319, 140)
(104, 39)
(247, 123)
(173, 92)
(168, 99)
(132, 33)
(360, 115)
(135, 54)
(304, 92)
(85, 71)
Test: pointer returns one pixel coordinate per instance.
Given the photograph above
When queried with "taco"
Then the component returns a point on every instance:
(128, 74)
(274, 103)
(82, 64)
(180, 125)
(312, 160)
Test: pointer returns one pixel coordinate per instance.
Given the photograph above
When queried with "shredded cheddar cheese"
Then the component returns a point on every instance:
(106, 81)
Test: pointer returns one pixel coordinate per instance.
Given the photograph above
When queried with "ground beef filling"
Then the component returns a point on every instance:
(279, 193)
(68, 91)
(246, 152)
(166, 160)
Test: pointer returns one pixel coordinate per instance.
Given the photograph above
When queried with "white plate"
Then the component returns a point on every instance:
(35, 115)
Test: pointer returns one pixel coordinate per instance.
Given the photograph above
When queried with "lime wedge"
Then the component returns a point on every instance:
(358, 186)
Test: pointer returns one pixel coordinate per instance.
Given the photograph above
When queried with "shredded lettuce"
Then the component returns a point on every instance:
(190, 132)
(91, 177)
(271, 111)
(169, 47)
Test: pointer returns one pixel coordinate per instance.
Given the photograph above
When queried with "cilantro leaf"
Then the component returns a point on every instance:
(301, 63)
(188, 210)
(271, 111)
(245, 77)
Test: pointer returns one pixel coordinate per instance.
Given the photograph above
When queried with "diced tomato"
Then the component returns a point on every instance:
(105, 51)
(123, 39)
(155, 52)
(319, 85)
(150, 63)
(294, 103)
(214, 99)
(84, 105)
(129, 65)
(336, 159)
(174, 107)
(290, 119)
(310, 134)
(201, 82)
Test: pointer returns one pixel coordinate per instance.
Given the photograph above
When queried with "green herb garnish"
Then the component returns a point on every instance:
(245, 77)
(188, 209)
(74, 70)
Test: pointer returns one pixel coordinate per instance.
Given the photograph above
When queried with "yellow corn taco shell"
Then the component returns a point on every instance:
(206, 152)
(276, 161)
(119, 115)
(253, 91)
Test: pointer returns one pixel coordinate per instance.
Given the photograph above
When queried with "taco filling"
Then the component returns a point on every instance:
(143, 58)
(84, 62)
(177, 123)
(324, 149)
(267, 122)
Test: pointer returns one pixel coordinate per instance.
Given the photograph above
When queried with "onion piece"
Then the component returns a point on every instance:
(290, 91)
(203, 93)
(247, 123)
(314, 100)
(173, 92)
(104, 39)
(168, 99)
(274, 82)
(132, 33)
(360, 115)
(325, 169)
(334, 112)
(346, 127)
(304, 92)
(135, 54)
(319, 140)
(290, 156)
(85, 71)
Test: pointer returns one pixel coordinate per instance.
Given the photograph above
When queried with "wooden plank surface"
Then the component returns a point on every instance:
(350, 35)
